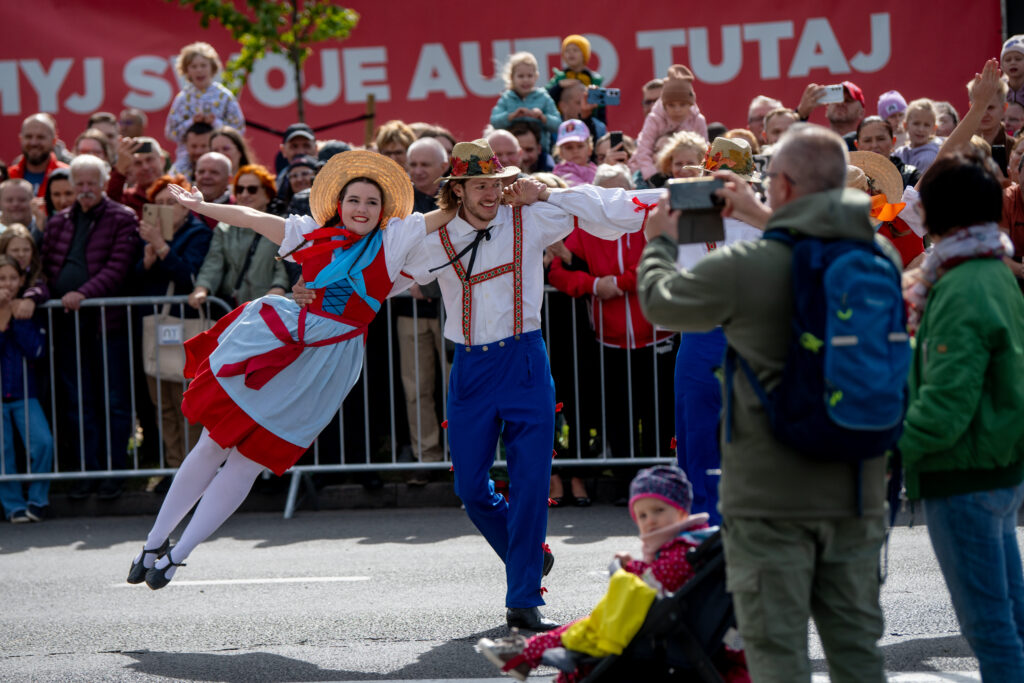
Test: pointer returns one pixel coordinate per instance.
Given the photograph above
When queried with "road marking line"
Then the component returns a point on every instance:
(238, 582)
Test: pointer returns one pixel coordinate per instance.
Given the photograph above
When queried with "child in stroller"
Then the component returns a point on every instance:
(593, 646)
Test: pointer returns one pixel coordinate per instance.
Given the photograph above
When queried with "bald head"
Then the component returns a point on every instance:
(213, 172)
(506, 147)
(814, 158)
(37, 137)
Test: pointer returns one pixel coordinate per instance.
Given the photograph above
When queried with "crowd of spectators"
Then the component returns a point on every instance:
(82, 207)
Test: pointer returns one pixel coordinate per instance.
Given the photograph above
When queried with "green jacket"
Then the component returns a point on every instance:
(745, 288)
(228, 249)
(964, 429)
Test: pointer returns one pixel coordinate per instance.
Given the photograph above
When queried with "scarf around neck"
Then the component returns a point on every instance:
(984, 240)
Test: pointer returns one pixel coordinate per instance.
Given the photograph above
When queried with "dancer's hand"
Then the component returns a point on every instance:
(302, 294)
(192, 199)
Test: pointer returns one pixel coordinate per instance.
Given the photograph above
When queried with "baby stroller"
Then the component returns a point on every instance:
(682, 634)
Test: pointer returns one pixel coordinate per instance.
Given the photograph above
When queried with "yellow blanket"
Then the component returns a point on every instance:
(615, 620)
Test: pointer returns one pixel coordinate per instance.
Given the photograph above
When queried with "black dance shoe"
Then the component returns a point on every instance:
(157, 578)
(137, 574)
(528, 618)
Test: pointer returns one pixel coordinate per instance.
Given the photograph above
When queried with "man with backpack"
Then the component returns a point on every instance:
(804, 514)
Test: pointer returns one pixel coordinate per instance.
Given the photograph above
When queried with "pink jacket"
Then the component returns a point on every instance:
(574, 174)
(656, 125)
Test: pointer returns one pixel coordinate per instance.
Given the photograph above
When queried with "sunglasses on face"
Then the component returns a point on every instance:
(251, 189)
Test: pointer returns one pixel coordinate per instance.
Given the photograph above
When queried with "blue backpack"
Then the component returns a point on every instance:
(843, 392)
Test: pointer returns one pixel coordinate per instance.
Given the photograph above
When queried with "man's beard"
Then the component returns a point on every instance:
(35, 159)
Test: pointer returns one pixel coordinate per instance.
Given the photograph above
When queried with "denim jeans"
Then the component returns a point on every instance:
(975, 540)
(39, 444)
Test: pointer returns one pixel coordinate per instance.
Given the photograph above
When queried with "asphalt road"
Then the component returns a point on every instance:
(345, 596)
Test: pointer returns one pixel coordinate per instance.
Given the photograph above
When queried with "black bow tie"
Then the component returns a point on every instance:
(481, 235)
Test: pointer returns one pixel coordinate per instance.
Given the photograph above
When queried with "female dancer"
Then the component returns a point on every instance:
(271, 374)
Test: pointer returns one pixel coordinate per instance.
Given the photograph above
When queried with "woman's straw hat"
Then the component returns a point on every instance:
(882, 174)
(347, 166)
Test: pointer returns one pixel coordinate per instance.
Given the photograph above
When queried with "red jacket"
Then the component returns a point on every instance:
(1013, 221)
(618, 321)
(17, 170)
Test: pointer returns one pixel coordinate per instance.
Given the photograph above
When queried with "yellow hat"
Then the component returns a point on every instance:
(342, 168)
(579, 41)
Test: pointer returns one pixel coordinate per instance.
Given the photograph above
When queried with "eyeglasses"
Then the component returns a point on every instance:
(251, 189)
(771, 174)
(299, 175)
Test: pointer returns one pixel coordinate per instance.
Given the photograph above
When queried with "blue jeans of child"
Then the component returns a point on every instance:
(975, 540)
(39, 444)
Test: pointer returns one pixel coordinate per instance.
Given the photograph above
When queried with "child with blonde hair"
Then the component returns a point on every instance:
(922, 145)
(676, 110)
(524, 100)
(202, 100)
(682, 155)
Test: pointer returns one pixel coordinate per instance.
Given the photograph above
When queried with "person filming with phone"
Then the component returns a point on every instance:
(802, 534)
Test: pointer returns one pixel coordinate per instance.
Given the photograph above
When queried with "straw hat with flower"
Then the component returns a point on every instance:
(730, 154)
(347, 166)
(884, 182)
(477, 160)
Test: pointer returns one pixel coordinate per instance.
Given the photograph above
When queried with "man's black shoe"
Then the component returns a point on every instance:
(109, 489)
(528, 618)
(82, 489)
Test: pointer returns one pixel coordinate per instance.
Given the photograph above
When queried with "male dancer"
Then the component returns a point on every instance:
(488, 262)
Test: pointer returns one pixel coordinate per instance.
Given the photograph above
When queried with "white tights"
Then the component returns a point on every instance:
(219, 495)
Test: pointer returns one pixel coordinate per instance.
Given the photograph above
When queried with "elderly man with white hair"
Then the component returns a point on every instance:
(87, 252)
(506, 147)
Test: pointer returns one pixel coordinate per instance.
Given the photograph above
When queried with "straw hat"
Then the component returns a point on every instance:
(730, 154)
(342, 168)
(477, 160)
(882, 174)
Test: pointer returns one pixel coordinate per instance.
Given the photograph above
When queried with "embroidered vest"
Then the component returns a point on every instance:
(515, 266)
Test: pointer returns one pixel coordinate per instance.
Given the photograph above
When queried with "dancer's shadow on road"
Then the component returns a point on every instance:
(453, 659)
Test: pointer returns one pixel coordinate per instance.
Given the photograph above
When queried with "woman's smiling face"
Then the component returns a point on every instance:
(361, 205)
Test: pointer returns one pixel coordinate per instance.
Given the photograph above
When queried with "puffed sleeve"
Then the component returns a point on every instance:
(606, 212)
(402, 237)
(295, 230)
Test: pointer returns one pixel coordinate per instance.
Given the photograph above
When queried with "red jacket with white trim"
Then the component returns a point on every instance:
(617, 321)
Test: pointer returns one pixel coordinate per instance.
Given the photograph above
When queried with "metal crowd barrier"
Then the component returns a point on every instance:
(323, 459)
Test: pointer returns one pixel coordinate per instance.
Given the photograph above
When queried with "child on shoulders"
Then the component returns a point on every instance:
(659, 503)
(202, 100)
(676, 110)
(574, 148)
(524, 100)
(575, 55)
(922, 144)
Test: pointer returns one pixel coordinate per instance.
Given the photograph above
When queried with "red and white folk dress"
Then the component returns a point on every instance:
(271, 375)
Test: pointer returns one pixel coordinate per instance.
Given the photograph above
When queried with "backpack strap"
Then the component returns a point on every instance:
(784, 235)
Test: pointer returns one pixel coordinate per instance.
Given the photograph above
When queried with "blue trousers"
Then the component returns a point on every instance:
(698, 409)
(975, 540)
(505, 389)
(38, 442)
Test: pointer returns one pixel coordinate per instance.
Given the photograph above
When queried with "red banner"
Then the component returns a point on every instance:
(436, 62)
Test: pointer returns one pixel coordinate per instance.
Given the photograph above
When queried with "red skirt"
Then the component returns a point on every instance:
(207, 403)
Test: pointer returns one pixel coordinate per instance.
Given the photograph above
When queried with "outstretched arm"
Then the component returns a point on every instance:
(437, 219)
(266, 224)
